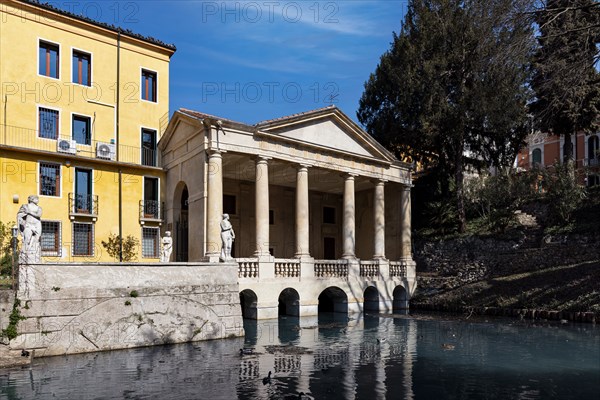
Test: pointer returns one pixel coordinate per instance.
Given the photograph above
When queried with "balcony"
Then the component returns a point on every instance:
(591, 162)
(29, 139)
(83, 205)
(151, 211)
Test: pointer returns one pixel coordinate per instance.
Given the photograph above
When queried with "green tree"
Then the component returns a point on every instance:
(563, 192)
(565, 76)
(113, 247)
(453, 87)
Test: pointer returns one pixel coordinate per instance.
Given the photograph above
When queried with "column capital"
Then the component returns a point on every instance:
(302, 166)
(262, 159)
(212, 152)
(379, 181)
(348, 175)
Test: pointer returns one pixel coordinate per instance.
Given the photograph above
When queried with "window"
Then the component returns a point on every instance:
(81, 130)
(148, 85)
(83, 239)
(150, 241)
(271, 217)
(536, 157)
(328, 215)
(593, 146)
(149, 147)
(229, 204)
(84, 201)
(48, 123)
(151, 203)
(49, 59)
(51, 238)
(82, 68)
(49, 179)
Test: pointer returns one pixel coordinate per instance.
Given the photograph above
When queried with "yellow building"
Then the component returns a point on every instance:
(83, 105)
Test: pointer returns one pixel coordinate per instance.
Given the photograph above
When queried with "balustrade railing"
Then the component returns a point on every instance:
(369, 269)
(51, 141)
(151, 210)
(397, 269)
(83, 204)
(331, 268)
(287, 268)
(247, 268)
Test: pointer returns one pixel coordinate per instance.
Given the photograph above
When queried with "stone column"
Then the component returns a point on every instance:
(349, 225)
(214, 206)
(379, 220)
(302, 213)
(405, 224)
(262, 208)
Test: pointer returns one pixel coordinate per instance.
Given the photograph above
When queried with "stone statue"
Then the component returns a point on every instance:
(30, 225)
(167, 247)
(227, 236)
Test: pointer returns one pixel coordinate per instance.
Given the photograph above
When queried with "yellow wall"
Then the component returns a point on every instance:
(22, 26)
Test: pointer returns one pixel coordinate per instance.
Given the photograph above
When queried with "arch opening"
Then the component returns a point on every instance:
(289, 302)
(248, 302)
(333, 299)
(371, 299)
(180, 219)
(400, 302)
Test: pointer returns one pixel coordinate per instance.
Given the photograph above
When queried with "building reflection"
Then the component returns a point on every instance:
(332, 355)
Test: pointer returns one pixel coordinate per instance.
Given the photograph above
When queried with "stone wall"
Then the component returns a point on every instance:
(445, 265)
(7, 299)
(73, 308)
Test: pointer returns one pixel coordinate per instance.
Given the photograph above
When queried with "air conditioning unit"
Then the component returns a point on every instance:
(106, 151)
(66, 146)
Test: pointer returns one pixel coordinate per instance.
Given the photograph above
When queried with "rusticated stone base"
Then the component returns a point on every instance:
(76, 308)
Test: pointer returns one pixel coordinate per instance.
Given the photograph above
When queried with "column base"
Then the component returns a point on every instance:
(349, 257)
(264, 257)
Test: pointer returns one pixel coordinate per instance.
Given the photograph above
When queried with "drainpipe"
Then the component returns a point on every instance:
(118, 147)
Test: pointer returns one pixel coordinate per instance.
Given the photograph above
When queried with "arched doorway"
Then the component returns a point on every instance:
(180, 216)
(371, 299)
(289, 302)
(333, 299)
(248, 300)
(400, 299)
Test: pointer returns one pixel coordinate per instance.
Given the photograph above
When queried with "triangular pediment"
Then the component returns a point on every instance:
(329, 129)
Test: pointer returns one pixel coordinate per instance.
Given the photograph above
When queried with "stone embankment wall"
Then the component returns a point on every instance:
(73, 308)
(7, 299)
(446, 265)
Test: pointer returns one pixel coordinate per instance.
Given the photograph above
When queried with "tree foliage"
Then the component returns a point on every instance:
(452, 90)
(5, 249)
(563, 192)
(565, 76)
(130, 245)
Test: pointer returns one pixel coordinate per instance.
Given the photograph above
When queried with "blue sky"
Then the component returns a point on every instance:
(255, 60)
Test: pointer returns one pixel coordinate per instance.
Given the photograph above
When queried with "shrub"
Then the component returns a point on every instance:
(563, 193)
(130, 245)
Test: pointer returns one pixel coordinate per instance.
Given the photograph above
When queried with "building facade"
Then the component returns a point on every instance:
(543, 150)
(82, 109)
(316, 204)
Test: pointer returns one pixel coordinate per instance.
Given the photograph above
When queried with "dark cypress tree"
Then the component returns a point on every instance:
(565, 76)
(453, 88)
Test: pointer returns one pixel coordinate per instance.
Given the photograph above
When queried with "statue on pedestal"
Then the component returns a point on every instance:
(167, 247)
(29, 220)
(227, 237)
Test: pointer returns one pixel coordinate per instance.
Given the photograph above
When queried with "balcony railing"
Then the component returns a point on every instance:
(30, 139)
(151, 210)
(331, 268)
(397, 269)
(287, 268)
(83, 205)
(591, 162)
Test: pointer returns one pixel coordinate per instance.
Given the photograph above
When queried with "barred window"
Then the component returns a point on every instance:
(48, 123)
(150, 242)
(49, 179)
(51, 238)
(83, 239)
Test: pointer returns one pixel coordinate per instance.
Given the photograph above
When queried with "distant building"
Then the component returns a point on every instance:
(544, 150)
(82, 108)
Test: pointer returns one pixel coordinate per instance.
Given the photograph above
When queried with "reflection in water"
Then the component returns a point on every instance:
(336, 357)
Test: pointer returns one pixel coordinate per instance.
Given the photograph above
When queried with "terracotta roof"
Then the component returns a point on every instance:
(117, 29)
(270, 121)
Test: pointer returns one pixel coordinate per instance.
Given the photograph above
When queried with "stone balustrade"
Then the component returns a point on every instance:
(331, 268)
(287, 268)
(247, 267)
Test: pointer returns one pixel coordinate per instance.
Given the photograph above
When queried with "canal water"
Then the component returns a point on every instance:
(334, 356)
